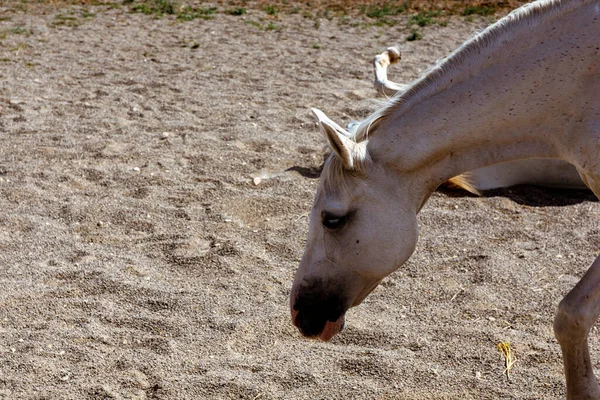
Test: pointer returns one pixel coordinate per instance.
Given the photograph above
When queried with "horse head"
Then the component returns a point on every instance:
(359, 232)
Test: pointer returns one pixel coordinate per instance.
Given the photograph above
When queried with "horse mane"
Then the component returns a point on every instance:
(454, 67)
(451, 70)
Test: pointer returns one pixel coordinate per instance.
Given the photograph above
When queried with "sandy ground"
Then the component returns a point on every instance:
(139, 259)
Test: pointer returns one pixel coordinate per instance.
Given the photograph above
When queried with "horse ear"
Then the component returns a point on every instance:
(321, 117)
(337, 137)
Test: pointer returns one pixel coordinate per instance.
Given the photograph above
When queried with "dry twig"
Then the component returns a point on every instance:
(509, 358)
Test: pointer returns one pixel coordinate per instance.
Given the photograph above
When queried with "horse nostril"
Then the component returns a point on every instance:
(315, 303)
(311, 317)
(310, 325)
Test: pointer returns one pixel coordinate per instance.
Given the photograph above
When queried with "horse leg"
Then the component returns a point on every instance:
(575, 316)
(380, 63)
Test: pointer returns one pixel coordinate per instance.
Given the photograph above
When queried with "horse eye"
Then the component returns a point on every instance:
(333, 222)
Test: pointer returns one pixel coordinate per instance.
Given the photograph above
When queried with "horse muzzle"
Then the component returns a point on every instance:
(329, 329)
(316, 312)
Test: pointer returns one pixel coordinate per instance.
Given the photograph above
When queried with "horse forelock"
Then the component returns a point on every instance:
(336, 176)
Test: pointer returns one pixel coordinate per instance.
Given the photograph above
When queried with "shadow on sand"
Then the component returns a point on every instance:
(532, 196)
(307, 172)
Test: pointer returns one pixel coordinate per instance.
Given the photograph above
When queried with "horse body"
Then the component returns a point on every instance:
(549, 173)
(525, 88)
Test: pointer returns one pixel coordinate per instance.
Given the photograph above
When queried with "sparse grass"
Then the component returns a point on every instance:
(271, 10)
(254, 23)
(17, 30)
(236, 11)
(316, 46)
(384, 10)
(142, 8)
(424, 18)
(189, 13)
(152, 7)
(414, 35)
(478, 10)
(383, 13)
(165, 6)
(72, 18)
(371, 13)
(19, 47)
(159, 8)
(66, 20)
(326, 14)
(272, 27)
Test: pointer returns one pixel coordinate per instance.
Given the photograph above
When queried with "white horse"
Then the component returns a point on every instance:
(526, 87)
(536, 171)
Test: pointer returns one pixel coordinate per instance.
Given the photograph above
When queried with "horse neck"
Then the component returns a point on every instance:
(511, 99)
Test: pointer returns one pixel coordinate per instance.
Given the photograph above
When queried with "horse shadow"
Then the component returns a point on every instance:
(307, 172)
(532, 196)
(528, 195)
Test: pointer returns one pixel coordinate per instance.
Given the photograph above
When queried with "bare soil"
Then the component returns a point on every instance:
(140, 259)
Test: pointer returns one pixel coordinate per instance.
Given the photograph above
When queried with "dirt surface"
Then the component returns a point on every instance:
(155, 179)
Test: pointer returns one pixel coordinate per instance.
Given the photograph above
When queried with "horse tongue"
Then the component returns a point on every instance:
(331, 328)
